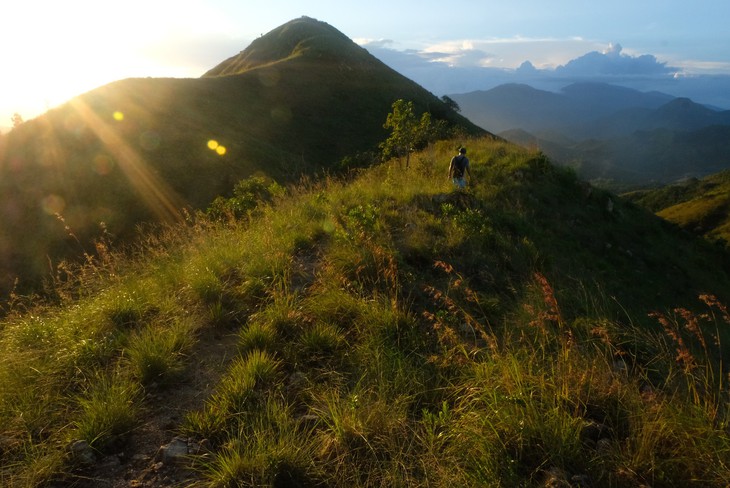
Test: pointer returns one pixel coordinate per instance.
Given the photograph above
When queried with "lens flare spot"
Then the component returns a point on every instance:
(53, 204)
(103, 164)
(118, 116)
(212, 144)
(221, 150)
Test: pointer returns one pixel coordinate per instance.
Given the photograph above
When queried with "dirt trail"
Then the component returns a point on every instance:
(137, 463)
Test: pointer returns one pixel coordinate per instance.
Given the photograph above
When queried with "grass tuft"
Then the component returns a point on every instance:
(157, 353)
(109, 411)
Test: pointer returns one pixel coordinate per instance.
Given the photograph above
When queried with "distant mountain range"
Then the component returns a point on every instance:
(613, 135)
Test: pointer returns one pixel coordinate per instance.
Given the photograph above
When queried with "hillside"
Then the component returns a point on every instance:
(384, 330)
(700, 206)
(615, 137)
(304, 99)
(647, 158)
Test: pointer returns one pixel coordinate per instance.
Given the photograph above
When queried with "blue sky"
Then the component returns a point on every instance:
(56, 50)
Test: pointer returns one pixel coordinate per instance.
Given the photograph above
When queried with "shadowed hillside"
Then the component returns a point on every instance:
(298, 101)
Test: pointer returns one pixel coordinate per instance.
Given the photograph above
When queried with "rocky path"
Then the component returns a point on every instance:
(155, 455)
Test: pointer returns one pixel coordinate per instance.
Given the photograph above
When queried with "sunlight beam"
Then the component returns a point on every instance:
(157, 195)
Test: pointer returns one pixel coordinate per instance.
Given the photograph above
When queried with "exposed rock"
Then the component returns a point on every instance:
(175, 452)
(581, 481)
(200, 448)
(603, 446)
(556, 478)
(110, 462)
(82, 452)
(592, 432)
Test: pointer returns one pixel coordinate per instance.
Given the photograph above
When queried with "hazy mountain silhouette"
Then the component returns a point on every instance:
(585, 110)
(613, 135)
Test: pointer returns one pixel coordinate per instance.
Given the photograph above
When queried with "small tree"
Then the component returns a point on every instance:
(248, 194)
(451, 103)
(17, 119)
(407, 131)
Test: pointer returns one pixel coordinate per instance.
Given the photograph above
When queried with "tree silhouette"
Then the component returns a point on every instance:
(451, 103)
(17, 119)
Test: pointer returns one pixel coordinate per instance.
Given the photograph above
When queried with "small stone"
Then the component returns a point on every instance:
(110, 462)
(175, 452)
(82, 452)
(603, 446)
(581, 481)
(592, 432)
(556, 478)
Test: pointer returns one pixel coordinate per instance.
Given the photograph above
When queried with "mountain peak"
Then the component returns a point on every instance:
(684, 107)
(303, 37)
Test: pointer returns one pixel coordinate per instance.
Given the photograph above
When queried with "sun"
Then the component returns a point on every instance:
(63, 49)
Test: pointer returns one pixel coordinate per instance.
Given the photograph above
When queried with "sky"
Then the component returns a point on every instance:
(53, 51)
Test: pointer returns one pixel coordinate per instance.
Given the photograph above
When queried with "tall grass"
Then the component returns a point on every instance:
(391, 332)
(457, 382)
(108, 411)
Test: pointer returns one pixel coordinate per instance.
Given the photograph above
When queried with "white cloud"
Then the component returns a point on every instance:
(610, 62)
(376, 43)
(613, 50)
(508, 53)
(550, 64)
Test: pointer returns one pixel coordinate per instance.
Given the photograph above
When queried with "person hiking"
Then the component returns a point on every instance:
(459, 168)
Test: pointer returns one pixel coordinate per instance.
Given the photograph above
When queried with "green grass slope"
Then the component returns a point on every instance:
(141, 150)
(700, 206)
(389, 331)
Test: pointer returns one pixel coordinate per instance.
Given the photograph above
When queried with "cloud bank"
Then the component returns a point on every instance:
(611, 62)
(470, 66)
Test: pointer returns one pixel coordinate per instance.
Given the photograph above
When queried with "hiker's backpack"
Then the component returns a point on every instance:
(459, 166)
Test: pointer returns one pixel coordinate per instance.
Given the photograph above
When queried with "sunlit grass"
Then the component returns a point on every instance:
(391, 332)
(157, 353)
(109, 410)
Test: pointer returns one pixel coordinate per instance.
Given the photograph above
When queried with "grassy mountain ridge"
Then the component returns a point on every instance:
(137, 150)
(389, 331)
(300, 37)
(701, 206)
